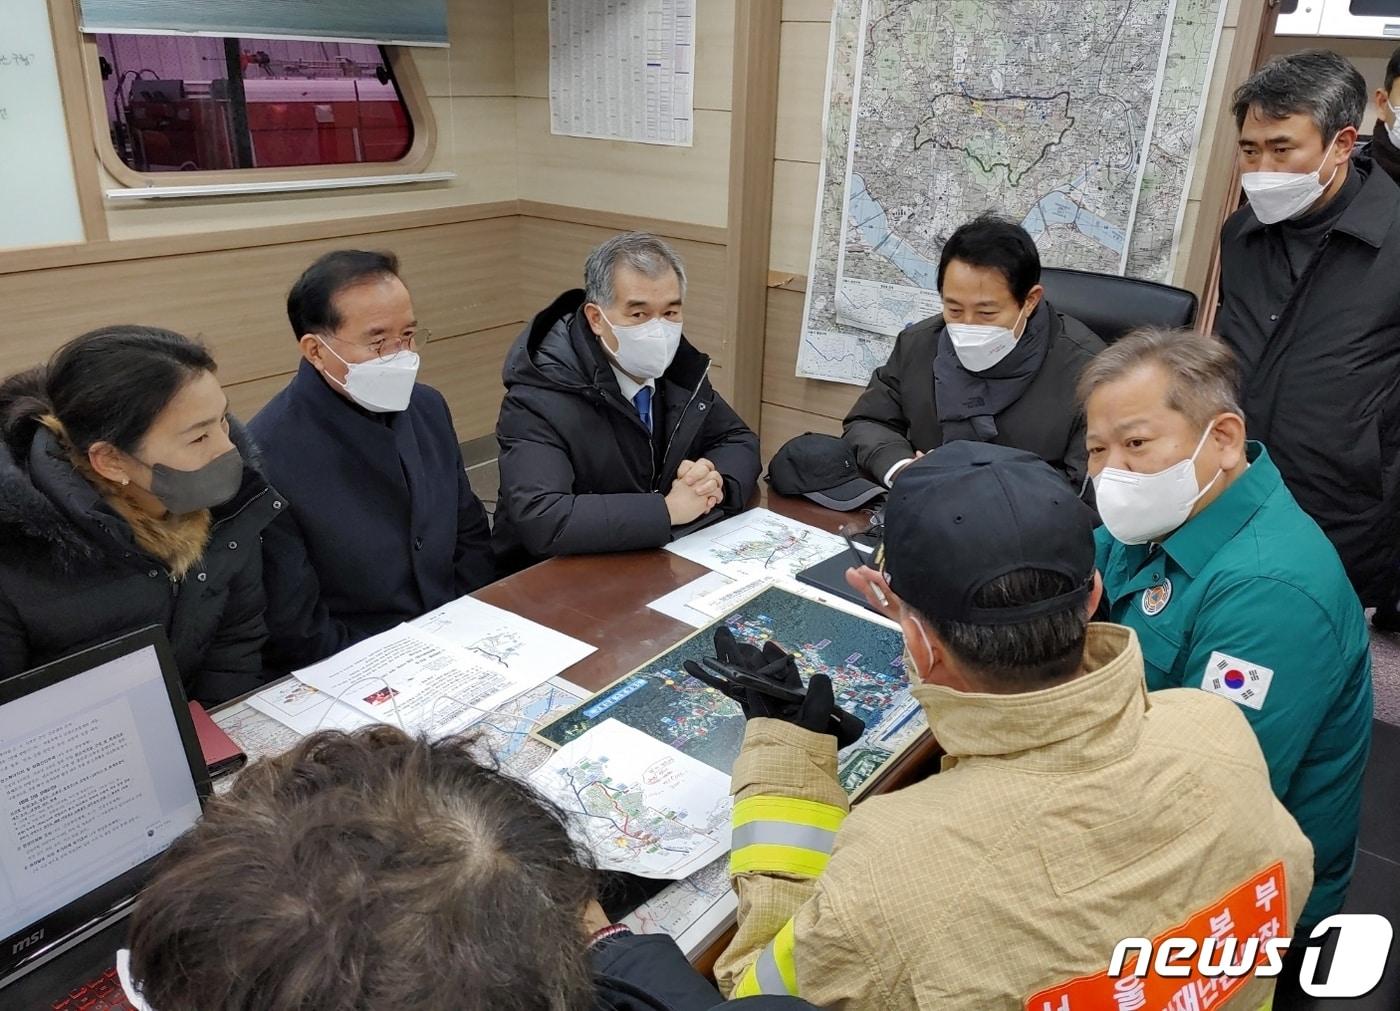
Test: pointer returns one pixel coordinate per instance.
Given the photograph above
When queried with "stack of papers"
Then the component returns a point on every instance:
(437, 675)
(417, 681)
(502, 637)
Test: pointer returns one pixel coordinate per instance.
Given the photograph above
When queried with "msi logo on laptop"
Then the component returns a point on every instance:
(27, 942)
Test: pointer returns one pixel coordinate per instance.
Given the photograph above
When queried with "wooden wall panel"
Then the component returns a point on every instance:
(781, 386)
(757, 45)
(794, 212)
(481, 60)
(463, 277)
(467, 370)
(782, 423)
(806, 47)
(551, 260)
(654, 181)
(247, 399)
(807, 10)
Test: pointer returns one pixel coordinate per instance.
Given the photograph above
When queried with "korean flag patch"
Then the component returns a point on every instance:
(1237, 680)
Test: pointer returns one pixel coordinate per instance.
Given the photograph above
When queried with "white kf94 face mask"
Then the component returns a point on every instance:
(646, 349)
(381, 385)
(1278, 196)
(979, 346)
(1137, 508)
(1393, 127)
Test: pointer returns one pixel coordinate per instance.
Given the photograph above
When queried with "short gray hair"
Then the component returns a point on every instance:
(1317, 82)
(1205, 378)
(641, 251)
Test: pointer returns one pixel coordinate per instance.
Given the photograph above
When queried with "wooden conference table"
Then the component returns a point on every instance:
(602, 599)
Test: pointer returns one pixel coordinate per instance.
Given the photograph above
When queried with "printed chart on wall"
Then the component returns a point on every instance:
(623, 70)
(863, 659)
(1081, 121)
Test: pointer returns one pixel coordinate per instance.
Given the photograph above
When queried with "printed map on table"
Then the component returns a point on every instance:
(507, 729)
(640, 806)
(1080, 121)
(758, 542)
(863, 659)
(695, 910)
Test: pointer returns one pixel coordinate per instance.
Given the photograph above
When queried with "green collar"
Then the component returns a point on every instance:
(1197, 540)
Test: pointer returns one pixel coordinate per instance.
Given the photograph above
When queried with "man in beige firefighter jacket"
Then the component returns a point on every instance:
(1073, 810)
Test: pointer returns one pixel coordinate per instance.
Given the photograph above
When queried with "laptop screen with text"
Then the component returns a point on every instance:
(94, 781)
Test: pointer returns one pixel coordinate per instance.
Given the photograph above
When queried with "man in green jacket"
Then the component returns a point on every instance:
(1229, 585)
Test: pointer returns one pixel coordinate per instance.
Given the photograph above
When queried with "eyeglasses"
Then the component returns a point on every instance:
(388, 348)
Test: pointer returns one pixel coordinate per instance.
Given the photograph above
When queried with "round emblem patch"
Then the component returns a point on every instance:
(1156, 598)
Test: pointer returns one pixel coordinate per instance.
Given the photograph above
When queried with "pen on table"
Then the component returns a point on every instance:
(860, 564)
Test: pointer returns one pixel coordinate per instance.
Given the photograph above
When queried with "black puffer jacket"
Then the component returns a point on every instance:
(647, 972)
(73, 576)
(579, 471)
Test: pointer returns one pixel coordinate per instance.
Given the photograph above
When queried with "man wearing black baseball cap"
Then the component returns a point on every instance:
(1072, 811)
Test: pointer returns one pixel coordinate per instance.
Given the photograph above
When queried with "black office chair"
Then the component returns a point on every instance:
(1111, 306)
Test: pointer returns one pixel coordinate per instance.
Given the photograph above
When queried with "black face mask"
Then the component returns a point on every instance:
(188, 491)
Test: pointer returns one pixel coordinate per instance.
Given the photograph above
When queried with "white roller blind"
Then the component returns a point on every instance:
(390, 22)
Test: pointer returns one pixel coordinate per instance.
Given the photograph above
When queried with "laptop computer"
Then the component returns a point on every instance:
(100, 771)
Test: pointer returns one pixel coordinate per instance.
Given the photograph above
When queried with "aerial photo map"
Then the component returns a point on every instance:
(863, 659)
(1079, 120)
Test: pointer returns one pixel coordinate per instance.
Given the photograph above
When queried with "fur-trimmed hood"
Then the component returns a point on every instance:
(46, 502)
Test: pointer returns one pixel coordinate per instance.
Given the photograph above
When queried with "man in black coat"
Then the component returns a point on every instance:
(1384, 147)
(998, 365)
(611, 436)
(383, 524)
(1307, 275)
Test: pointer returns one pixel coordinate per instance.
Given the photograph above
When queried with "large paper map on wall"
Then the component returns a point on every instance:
(1079, 120)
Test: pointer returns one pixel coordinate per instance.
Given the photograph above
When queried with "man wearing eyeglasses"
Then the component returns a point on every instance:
(382, 524)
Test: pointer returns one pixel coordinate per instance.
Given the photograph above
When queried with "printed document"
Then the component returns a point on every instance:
(418, 681)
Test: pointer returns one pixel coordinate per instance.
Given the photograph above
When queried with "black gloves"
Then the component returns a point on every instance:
(768, 685)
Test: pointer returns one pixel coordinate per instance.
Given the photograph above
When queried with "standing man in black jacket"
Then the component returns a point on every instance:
(1384, 147)
(383, 523)
(611, 435)
(998, 365)
(1307, 274)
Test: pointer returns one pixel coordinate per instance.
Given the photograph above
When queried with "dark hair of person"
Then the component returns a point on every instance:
(1314, 82)
(311, 302)
(998, 244)
(109, 385)
(369, 870)
(1026, 656)
(1392, 69)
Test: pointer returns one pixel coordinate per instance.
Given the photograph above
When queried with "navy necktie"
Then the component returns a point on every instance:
(642, 401)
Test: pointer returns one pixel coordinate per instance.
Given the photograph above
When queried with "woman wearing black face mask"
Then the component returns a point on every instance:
(128, 498)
